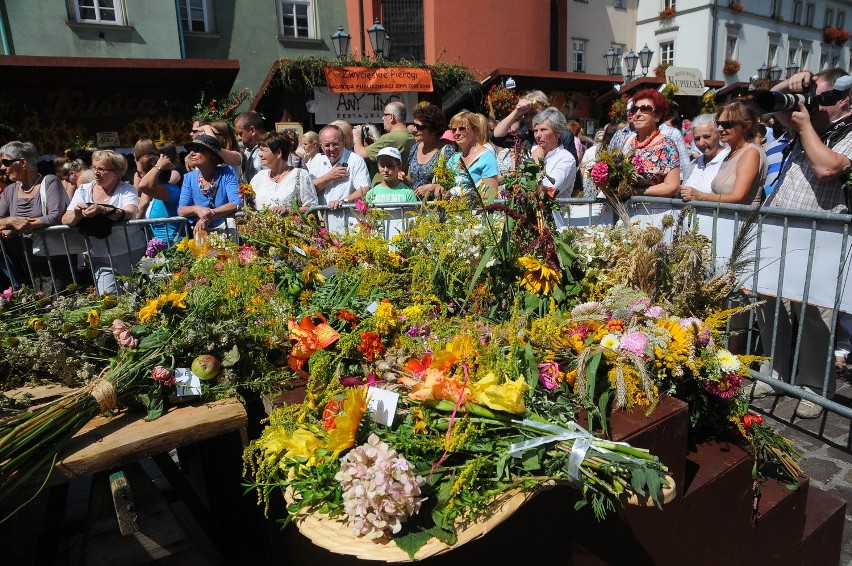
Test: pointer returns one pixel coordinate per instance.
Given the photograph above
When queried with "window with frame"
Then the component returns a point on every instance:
(792, 55)
(841, 20)
(667, 53)
(805, 58)
(798, 8)
(578, 61)
(810, 10)
(777, 6)
(731, 44)
(669, 4)
(829, 18)
(296, 19)
(772, 54)
(99, 11)
(194, 15)
(620, 4)
(823, 60)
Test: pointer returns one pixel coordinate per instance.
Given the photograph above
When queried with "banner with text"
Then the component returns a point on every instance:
(388, 79)
(356, 107)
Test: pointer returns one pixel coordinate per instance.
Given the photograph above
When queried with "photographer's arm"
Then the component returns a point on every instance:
(825, 162)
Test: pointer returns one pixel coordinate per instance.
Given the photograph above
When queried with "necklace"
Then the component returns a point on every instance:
(640, 144)
(32, 187)
(280, 176)
(204, 185)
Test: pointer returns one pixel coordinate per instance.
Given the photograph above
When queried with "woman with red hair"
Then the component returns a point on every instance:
(654, 155)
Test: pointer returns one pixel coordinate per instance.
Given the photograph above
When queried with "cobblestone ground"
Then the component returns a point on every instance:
(826, 443)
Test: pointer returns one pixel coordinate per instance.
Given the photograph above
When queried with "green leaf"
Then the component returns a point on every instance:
(231, 358)
(411, 542)
(603, 405)
(531, 461)
(154, 340)
(637, 481)
(153, 403)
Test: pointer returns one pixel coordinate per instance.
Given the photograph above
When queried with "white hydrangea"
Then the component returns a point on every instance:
(380, 490)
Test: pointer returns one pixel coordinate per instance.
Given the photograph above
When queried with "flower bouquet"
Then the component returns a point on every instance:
(731, 67)
(501, 101)
(616, 174)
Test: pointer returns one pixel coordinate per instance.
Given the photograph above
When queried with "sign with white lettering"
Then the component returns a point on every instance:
(688, 81)
(357, 107)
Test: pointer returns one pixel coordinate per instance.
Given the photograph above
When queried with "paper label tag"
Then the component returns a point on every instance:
(371, 308)
(299, 250)
(187, 383)
(381, 404)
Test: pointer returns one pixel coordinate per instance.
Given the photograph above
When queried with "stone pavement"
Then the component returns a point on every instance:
(826, 444)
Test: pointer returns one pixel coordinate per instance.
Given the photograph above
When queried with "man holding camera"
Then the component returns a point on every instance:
(812, 178)
(396, 135)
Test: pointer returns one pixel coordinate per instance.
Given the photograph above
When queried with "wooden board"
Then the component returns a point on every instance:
(106, 443)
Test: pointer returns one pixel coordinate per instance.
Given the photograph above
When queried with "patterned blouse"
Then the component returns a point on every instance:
(421, 174)
(659, 157)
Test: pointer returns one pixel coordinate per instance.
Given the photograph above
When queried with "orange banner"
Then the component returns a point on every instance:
(389, 79)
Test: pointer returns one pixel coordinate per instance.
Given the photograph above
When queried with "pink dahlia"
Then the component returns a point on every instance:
(600, 173)
(634, 342)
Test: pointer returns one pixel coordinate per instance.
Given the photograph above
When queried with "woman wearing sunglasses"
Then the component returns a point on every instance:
(475, 166)
(659, 161)
(429, 125)
(743, 171)
(22, 213)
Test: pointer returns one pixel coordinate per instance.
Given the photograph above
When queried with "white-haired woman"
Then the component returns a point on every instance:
(699, 175)
(560, 167)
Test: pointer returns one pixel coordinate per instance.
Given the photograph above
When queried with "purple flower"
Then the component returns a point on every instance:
(634, 342)
(154, 247)
(654, 312)
(548, 373)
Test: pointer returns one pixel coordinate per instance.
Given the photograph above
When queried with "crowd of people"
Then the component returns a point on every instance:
(732, 156)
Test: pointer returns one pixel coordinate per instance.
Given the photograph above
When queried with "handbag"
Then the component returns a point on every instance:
(54, 243)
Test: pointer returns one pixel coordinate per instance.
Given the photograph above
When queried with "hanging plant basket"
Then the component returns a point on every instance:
(732, 67)
(736, 7)
(668, 13)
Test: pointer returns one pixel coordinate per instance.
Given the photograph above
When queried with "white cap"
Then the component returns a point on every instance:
(390, 152)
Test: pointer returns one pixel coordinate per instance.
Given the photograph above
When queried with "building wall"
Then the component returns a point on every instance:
(483, 36)
(701, 37)
(42, 28)
(601, 25)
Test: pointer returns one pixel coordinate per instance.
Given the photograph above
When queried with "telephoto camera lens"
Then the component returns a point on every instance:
(770, 101)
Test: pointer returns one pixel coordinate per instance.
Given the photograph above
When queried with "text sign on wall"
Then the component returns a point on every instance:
(108, 139)
(388, 79)
(688, 81)
(357, 107)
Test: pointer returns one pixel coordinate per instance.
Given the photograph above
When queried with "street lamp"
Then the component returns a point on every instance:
(763, 72)
(611, 56)
(792, 69)
(630, 61)
(377, 35)
(340, 42)
(775, 73)
(645, 55)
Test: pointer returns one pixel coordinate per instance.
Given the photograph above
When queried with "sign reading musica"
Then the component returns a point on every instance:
(388, 79)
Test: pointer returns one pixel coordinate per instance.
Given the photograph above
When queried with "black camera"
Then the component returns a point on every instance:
(770, 101)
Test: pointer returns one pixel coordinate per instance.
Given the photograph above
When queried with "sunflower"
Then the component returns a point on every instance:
(538, 277)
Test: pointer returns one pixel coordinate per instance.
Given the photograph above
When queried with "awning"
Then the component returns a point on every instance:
(528, 79)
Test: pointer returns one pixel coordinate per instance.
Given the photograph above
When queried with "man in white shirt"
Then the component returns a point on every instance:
(336, 174)
(249, 129)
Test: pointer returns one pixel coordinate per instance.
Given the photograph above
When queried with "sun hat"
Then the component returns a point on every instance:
(204, 142)
(448, 136)
(390, 152)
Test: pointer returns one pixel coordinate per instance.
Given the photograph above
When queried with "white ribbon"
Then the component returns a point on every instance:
(583, 442)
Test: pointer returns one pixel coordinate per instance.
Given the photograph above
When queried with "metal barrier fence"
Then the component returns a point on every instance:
(801, 269)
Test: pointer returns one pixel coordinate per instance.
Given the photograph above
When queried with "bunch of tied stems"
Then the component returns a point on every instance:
(30, 441)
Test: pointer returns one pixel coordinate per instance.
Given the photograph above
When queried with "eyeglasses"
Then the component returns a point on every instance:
(101, 170)
(419, 127)
(644, 109)
(330, 145)
(728, 124)
(9, 162)
(458, 129)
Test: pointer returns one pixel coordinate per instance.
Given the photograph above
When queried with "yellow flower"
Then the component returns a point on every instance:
(538, 277)
(507, 396)
(93, 318)
(342, 436)
(385, 315)
(36, 323)
(610, 341)
(150, 310)
(183, 245)
(277, 443)
(176, 299)
(413, 312)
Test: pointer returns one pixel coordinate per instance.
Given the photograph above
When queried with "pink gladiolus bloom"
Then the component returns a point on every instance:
(547, 374)
(7, 294)
(123, 335)
(163, 375)
(361, 206)
(600, 173)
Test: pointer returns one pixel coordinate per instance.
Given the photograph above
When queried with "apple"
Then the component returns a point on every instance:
(206, 367)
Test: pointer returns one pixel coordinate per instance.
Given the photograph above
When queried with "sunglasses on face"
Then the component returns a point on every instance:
(458, 129)
(728, 124)
(9, 162)
(419, 127)
(644, 109)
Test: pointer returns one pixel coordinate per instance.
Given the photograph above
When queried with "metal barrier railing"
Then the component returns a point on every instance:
(801, 269)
